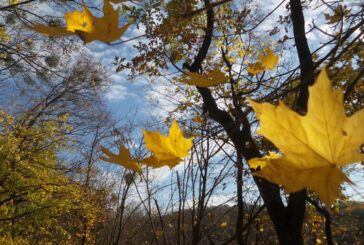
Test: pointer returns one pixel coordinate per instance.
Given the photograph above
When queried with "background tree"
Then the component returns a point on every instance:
(51, 103)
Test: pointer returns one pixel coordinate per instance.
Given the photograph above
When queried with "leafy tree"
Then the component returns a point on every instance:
(34, 190)
(43, 82)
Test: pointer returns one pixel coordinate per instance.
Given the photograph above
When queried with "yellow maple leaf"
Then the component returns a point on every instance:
(255, 68)
(314, 145)
(262, 162)
(88, 27)
(153, 162)
(50, 31)
(123, 158)
(211, 78)
(267, 61)
(168, 149)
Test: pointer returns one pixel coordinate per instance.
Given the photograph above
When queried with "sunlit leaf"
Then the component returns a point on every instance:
(88, 27)
(168, 149)
(267, 61)
(313, 146)
(255, 68)
(123, 159)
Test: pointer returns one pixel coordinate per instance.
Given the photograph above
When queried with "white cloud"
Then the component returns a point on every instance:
(116, 93)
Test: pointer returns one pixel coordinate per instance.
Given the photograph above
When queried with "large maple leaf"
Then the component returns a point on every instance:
(313, 146)
(88, 27)
(167, 149)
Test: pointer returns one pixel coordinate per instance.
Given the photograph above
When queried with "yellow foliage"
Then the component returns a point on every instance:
(314, 145)
(262, 162)
(88, 27)
(211, 78)
(3, 35)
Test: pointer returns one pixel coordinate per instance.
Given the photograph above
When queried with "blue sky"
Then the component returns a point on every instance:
(123, 97)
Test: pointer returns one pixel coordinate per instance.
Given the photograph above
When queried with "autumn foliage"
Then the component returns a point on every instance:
(269, 121)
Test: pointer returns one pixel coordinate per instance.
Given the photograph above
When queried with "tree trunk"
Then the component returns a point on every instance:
(287, 220)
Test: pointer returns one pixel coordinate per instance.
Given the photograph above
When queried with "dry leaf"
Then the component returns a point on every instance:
(123, 158)
(168, 149)
(267, 61)
(88, 27)
(153, 162)
(314, 145)
(255, 68)
(211, 78)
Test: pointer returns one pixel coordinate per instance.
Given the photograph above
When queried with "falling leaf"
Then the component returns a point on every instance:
(123, 158)
(169, 149)
(88, 27)
(255, 68)
(314, 145)
(223, 224)
(211, 78)
(267, 61)
(57, 31)
(153, 162)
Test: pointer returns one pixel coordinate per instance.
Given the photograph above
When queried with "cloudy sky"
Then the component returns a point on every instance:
(123, 96)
